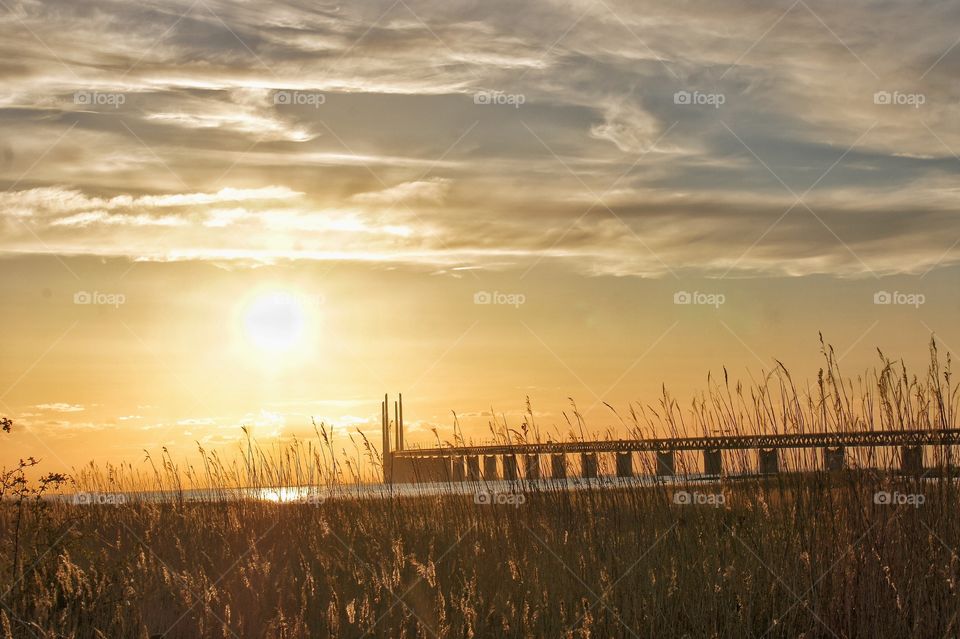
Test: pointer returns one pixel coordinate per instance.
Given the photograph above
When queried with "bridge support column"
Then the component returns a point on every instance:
(665, 463)
(911, 459)
(712, 462)
(510, 467)
(834, 459)
(490, 467)
(457, 473)
(769, 461)
(532, 467)
(588, 465)
(473, 468)
(558, 466)
(625, 464)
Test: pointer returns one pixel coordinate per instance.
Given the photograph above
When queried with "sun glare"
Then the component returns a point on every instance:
(274, 323)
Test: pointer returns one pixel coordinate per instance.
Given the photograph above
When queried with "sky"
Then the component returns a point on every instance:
(215, 214)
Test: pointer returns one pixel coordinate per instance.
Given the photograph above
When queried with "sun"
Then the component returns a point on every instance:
(274, 323)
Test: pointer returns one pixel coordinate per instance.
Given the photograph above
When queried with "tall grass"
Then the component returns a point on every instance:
(804, 553)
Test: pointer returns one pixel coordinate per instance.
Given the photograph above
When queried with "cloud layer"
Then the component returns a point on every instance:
(615, 138)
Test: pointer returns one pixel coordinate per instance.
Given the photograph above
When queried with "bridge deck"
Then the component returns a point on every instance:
(867, 438)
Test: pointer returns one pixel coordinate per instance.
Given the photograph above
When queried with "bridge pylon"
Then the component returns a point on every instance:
(389, 460)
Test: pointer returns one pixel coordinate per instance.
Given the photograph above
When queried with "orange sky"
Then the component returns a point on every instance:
(195, 350)
(233, 215)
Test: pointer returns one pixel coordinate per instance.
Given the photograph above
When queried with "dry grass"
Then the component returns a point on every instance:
(800, 554)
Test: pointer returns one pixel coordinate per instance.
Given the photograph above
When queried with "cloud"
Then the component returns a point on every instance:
(241, 111)
(101, 217)
(631, 231)
(61, 407)
(431, 191)
(298, 131)
(631, 129)
(196, 421)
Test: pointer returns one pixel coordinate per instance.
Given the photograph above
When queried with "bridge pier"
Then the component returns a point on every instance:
(911, 460)
(769, 461)
(457, 472)
(588, 465)
(510, 467)
(712, 462)
(834, 459)
(625, 464)
(422, 469)
(558, 466)
(473, 468)
(532, 467)
(490, 468)
(665, 463)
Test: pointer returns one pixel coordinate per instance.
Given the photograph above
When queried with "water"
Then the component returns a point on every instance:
(319, 494)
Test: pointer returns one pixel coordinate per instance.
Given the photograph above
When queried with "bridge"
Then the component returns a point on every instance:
(499, 461)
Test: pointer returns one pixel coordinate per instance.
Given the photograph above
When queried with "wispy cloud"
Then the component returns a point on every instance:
(61, 407)
(614, 138)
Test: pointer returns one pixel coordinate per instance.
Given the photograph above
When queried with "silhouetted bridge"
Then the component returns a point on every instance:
(458, 463)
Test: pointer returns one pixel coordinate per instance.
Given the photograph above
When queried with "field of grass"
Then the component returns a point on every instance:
(800, 554)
